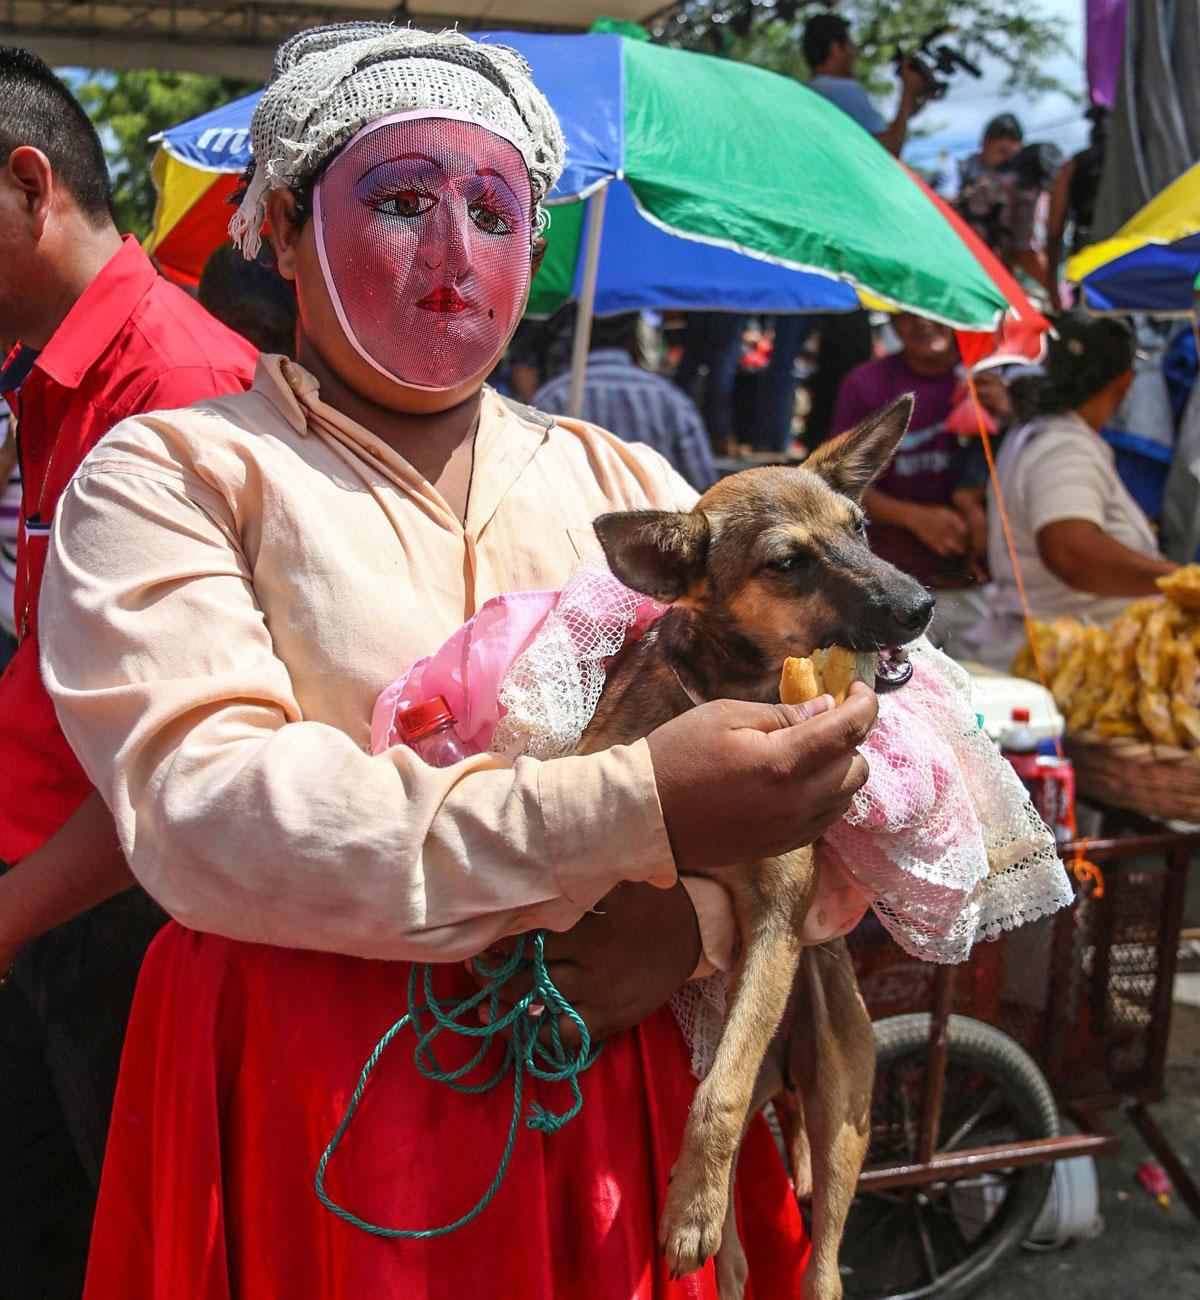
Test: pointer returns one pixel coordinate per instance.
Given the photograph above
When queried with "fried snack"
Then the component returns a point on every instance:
(1187, 721)
(1154, 709)
(836, 668)
(1185, 699)
(1065, 634)
(1156, 651)
(1182, 587)
(1085, 698)
(1126, 633)
(1072, 673)
(826, 672)
(1055, 643)
(1117, 716)
(1024, 664)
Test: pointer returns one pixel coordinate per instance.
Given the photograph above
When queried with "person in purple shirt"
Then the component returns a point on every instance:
(927, 508)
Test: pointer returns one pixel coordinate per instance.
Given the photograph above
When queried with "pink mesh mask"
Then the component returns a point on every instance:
(424, 229)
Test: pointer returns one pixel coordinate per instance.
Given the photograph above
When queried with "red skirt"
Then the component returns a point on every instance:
(238, 1065)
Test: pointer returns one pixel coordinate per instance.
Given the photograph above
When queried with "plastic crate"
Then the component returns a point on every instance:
(1143, 466)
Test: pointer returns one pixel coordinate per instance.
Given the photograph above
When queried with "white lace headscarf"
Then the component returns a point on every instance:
(329, 82)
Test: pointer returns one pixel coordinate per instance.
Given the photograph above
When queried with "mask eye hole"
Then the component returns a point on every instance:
(489, 220)
(406, 204)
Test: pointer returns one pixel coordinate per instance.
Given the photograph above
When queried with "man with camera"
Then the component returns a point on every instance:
(829, 51)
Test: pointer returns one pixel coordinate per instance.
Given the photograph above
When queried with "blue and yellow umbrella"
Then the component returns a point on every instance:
(1152, 263)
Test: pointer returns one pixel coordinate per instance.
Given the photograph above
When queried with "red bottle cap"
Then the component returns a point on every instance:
(421, 719)
(1020, 715)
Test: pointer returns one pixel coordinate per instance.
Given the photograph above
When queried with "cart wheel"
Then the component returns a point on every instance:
(943, 1239)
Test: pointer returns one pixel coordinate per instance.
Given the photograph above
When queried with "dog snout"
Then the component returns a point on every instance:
(913, 617)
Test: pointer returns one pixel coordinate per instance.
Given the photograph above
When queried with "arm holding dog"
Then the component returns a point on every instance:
(637, 947)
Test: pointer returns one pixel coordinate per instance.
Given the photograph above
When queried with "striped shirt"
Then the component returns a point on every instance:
(638, 406)
(10, 518)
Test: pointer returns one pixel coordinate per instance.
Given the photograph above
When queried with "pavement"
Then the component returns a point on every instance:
(1143, 1252)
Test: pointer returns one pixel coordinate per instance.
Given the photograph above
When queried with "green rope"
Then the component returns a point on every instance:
(523, 1053)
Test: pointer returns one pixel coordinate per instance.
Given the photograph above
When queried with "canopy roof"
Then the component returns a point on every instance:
(236, 38)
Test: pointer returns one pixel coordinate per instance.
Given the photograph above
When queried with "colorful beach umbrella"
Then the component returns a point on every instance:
(1152, 263)
(195, 171)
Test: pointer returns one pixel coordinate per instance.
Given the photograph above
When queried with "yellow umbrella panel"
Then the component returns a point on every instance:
(1150, 265)
(191, 217)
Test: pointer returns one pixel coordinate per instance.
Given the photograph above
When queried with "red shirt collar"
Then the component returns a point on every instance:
(100, 312)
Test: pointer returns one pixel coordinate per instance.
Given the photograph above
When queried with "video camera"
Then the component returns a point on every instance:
(930, 62)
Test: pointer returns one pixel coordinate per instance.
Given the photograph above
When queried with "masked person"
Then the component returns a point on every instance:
(280, 556)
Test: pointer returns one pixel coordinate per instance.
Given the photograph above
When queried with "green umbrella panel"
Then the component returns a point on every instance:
(735, 156)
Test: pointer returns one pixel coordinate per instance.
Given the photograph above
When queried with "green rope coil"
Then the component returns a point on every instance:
(524, 1054)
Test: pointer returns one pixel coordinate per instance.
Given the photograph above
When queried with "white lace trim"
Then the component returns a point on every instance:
(942, 837)
(551, 691)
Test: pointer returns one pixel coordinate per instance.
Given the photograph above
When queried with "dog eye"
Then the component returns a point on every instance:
(785, 564)
(860, 526)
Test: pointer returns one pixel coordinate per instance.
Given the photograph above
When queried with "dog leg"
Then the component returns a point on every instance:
(695, 1210)
(834, 1062)
(732, 1270)
(801, 1153)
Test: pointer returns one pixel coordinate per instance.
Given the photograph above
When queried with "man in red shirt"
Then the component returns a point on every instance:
(92, 335)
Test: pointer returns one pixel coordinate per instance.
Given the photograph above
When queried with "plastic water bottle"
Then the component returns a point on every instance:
(1019, 745)
(1154, 1180)
(428, 729)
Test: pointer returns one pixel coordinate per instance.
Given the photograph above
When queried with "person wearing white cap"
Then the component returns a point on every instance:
(230, 587)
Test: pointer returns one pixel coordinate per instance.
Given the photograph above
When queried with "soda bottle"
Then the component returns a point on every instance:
(1018, 744)
(428, 729)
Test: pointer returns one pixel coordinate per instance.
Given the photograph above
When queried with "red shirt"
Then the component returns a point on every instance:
(131, 343)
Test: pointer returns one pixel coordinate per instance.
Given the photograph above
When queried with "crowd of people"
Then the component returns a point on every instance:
(934, 514)
(228, 519)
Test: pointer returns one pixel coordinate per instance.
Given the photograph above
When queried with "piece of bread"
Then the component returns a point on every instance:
(825, 672)
(798, 684)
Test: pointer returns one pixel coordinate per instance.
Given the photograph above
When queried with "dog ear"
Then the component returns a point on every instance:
(853, 461)
(657, 552)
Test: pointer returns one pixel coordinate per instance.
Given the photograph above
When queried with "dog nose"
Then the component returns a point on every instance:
(914, 617)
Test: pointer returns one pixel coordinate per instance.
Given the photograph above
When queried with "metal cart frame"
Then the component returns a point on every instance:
(1131, 1093)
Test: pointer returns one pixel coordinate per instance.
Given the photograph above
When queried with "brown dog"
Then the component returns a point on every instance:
(769, 563)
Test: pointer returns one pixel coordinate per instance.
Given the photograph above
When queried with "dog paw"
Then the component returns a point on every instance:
(690, 1233)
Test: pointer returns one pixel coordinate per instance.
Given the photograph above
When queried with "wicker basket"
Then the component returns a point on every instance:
(1154, 780)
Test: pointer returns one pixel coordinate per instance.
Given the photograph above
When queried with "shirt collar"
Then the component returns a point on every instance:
(284, 384)
(17, 368)
(99, 314)
(610, 354)
(296, 394)
(507, 440)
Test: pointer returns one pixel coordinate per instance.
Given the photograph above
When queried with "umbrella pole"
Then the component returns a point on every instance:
(587, 299)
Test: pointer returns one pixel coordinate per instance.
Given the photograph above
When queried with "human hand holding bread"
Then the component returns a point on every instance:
(739, 781)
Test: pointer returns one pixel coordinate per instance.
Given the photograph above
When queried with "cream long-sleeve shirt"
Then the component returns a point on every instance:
(228, 589)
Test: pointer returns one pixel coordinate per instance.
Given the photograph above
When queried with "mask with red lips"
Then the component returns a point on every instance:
(424, 230)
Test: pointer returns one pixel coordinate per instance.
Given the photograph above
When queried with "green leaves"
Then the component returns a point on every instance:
(128, 108)
(1002, 29)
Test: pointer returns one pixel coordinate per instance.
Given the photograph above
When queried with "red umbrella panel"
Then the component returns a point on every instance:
(1021, 336)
